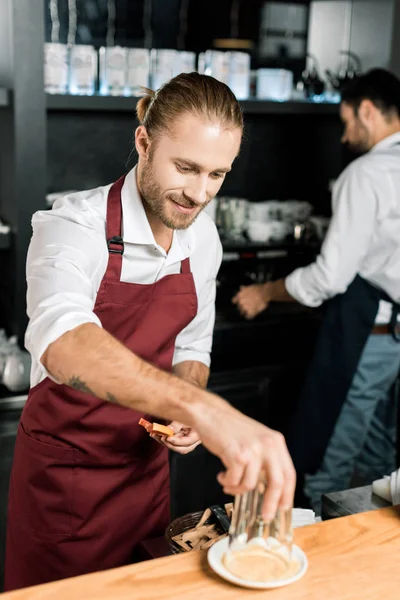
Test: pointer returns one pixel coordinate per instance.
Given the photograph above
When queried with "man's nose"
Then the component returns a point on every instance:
(197, 190)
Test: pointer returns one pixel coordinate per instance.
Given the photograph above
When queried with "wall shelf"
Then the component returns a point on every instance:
(90, 103)
(292, 107)
(4, 97)
(122, 103)
(256, 250)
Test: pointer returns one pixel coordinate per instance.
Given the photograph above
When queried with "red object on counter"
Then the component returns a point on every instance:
(88, 485)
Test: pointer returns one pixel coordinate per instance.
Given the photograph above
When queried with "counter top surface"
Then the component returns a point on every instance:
(350, 558)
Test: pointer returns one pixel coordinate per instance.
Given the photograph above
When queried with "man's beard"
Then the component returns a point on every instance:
(362, 145)
(153, 201)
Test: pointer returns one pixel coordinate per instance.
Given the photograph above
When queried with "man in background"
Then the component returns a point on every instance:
(344, 426)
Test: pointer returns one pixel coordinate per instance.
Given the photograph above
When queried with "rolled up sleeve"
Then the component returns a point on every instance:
(195, 341)
(65, 264)
(346, 243)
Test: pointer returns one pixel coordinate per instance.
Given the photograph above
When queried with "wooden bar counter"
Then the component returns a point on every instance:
(350, 558)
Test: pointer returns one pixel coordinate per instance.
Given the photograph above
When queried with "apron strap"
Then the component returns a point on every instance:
(393, 325)
(347, 323)
(115, 243)
(185, 266)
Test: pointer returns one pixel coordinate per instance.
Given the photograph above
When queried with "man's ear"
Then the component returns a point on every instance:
(142, 142)
(366, 110)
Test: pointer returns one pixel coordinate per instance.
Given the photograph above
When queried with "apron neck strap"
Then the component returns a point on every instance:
(115, 242)
(185, 265)
(114, 209)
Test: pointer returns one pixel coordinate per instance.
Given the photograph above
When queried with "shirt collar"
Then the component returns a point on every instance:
(387, 142)
(136, 228)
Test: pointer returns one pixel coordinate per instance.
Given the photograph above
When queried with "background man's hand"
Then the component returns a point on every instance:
(251, 300)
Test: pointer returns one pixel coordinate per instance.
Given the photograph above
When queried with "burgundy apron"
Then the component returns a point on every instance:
(88, 484)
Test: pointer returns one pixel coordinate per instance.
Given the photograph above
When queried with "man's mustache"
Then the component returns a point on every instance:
(184, 201)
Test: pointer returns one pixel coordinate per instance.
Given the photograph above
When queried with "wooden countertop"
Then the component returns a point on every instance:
(350, 558)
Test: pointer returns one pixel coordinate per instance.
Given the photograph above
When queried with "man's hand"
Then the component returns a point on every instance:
(184, 441)
(250, 451)
(252, 300)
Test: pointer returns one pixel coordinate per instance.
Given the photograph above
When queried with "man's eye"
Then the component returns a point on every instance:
(183, 169)
(217, 175)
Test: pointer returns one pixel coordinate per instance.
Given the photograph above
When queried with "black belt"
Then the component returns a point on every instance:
(381, 329)
(387, 329)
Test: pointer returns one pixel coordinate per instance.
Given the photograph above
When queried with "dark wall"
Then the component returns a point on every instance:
(283, 156)
(183, 24)
(87, 149)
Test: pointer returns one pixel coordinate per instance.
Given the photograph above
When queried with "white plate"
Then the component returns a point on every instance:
(217, 551)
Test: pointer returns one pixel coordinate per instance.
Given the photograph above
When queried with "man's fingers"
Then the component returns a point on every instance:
(182, 449)
(184, 440)
(232, 477)
(290, 483)
(273, 492)
(175, 426)
(157, 438)
(250, 478)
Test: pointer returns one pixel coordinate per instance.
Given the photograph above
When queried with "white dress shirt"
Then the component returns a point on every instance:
(68, 257)
(364, 234)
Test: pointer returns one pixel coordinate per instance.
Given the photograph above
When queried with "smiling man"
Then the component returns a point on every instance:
(121, 289)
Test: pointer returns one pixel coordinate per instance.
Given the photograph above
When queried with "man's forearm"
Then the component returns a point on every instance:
(276, 292)
(91, 360)
(193, 371)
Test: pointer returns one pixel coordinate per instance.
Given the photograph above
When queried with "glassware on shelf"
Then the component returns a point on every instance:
(239, 74)
(138, 71)
(201, 63)
(56, 68)
(274, 84)
(231, 217)
(112, 70)
(82, 70)
(163, 66)
(216, 64)
(187, 62)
